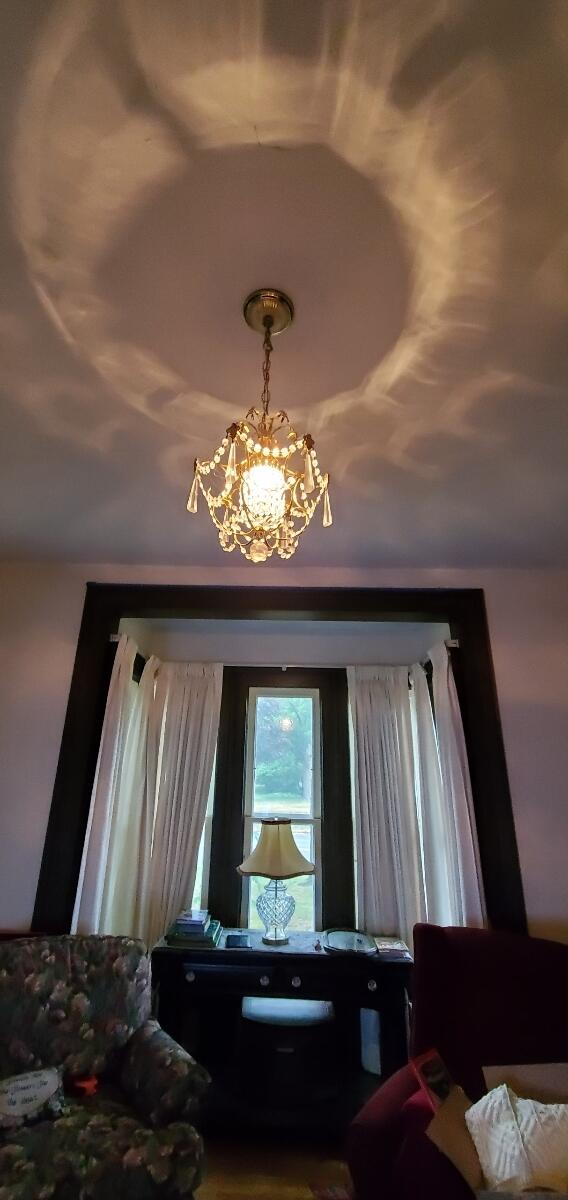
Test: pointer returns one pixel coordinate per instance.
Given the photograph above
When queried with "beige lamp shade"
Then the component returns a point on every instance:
(276, 854)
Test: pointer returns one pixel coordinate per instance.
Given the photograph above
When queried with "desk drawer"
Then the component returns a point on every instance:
(302, 980)
(236, 979)
(362, 987)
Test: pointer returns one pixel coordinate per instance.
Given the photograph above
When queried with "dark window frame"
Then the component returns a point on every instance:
(463, 609)
(338, 884)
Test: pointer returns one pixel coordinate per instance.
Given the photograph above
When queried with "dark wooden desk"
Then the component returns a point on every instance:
(189, 980)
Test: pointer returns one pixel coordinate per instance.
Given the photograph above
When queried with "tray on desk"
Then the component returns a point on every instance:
(348, 941)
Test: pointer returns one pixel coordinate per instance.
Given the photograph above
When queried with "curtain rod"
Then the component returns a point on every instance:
(451, 643)
(139, 662)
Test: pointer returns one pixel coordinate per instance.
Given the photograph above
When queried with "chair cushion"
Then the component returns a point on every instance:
(99, 1149)
(70, 1002)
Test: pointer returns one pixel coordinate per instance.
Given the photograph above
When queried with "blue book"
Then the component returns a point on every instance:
(197, 918)
(181, 938)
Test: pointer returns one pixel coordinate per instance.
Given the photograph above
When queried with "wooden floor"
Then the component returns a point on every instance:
(246, 1169)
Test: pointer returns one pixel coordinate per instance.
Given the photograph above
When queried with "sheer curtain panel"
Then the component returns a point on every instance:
(391, 881)
(126, 860)
(181, 749)
(108, 783)
(458, 800)
(436, 826)
(417, 852)
(149, 796)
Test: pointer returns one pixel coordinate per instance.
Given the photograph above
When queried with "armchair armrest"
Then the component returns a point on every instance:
(162, 1081)
(375, 1135)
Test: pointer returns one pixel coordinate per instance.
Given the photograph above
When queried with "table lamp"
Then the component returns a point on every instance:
(276, 857)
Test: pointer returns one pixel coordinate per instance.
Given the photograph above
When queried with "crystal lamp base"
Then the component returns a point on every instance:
(275, 909)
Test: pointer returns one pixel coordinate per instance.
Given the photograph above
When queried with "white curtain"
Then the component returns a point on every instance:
(182, 737)
(108, 783)
(467, 880)
(416, 842)
(391, 884)
(435, 823)
(126, 864)
(160, 738)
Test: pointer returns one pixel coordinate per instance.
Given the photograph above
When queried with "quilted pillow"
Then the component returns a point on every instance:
(521, 1144)
(30, 1097)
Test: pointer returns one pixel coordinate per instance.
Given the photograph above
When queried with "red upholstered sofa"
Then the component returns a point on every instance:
(481, 998)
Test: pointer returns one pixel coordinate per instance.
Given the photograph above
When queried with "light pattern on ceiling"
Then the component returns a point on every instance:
(406, 162)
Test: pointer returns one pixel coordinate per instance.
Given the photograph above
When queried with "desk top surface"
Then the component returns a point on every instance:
(306, 943)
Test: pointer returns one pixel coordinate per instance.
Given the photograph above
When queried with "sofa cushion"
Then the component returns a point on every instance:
(70, 1002)
(99, 1150)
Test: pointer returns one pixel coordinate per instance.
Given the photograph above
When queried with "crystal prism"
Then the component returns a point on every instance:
(192, 498)
(308, 473)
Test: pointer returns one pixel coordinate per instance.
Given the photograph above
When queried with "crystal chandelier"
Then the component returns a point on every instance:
(263, 483)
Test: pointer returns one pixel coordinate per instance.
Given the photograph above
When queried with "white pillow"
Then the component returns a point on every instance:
(520, 1143)
(30, 1097)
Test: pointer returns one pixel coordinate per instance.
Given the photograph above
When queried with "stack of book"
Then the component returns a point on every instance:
(392, 948)
(194, 927)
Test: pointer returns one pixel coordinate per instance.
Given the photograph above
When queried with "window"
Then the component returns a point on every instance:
(283, 749)
(201, 885)
(283, 779)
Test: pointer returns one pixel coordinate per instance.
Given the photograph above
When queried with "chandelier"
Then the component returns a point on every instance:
(263, 483)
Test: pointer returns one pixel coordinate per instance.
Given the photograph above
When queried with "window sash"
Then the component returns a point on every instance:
(313, 819)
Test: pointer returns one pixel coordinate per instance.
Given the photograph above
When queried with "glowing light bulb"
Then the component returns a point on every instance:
(264, 494)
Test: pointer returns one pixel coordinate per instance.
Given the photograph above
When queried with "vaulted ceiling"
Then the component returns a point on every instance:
(399, 167)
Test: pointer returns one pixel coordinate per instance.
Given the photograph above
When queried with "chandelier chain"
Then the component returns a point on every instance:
(265, 397)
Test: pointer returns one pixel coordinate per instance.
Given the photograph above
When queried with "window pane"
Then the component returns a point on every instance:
(201, 885)
(283, 756)
(198, 885)
(302, 888)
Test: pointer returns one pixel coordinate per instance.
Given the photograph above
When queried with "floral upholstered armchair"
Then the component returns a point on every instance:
(82, 1004)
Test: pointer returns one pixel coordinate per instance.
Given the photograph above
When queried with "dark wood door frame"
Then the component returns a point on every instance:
(106, 604)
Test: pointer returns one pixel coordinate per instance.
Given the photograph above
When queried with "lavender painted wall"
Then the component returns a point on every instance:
(40, 613)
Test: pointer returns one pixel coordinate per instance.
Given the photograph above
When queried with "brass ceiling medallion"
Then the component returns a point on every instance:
(263, 483)
(268, 302)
